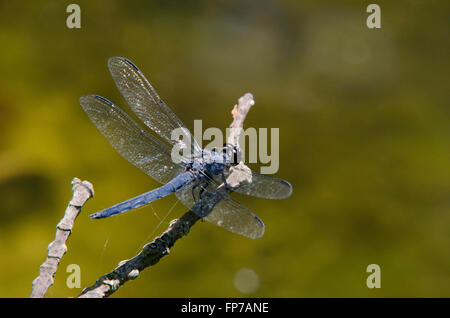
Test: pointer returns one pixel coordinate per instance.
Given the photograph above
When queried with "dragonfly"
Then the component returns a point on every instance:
(189, 177)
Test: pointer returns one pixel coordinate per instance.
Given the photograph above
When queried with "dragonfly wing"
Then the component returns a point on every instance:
(234, 217)
(227, 213)
(130, 140)
(146, 103)
(186, 195)
(200, 188)
(263, 186)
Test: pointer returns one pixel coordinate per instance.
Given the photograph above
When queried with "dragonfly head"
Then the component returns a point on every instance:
(231, 154)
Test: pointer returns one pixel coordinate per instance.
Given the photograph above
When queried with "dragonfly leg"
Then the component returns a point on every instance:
(224, 180)
(203, 184)
(202, 189)
(193, 189)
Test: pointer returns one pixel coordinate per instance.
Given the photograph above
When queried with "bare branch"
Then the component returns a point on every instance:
(152, 252)
(239, 113)
(150, 255)
(82, 191)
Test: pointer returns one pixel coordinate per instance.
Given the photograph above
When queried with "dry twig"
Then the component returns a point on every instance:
(82, 191)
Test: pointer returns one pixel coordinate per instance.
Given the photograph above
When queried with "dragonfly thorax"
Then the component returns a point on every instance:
(211, 162)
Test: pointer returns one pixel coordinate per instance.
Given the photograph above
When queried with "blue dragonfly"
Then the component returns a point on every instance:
(190, 176)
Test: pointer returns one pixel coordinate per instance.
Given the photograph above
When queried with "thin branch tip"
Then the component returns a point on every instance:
(82, 191)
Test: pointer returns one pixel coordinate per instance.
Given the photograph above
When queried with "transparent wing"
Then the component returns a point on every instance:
(263, 186)
(234, 217)
(130, 140)
(147, 105)
(227, 213)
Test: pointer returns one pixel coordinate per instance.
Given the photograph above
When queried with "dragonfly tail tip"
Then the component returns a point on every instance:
(95, 216)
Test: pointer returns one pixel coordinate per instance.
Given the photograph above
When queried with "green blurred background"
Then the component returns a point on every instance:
(364, 140)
